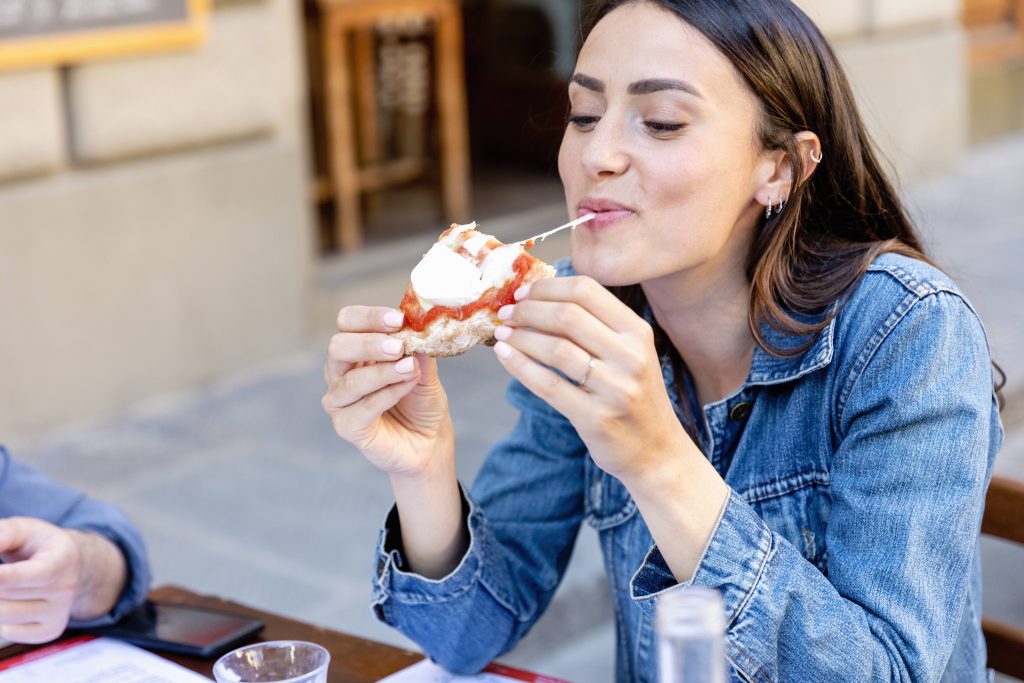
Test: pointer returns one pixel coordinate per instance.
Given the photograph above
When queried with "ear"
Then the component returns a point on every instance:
(809, 148)
(775, 174)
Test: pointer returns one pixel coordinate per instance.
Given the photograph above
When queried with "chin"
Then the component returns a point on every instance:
(608, 270)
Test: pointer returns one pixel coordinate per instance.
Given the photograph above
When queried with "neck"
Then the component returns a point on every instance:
(705, 318)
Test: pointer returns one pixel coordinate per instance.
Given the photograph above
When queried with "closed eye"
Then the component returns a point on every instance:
(662, 127)
(583, 122)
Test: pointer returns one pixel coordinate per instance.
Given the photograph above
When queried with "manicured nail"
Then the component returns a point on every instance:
(503, 333)
(391, 346)
(394, 318)
(505, 312)
(522, 292)
(503, 350)
(405, 366)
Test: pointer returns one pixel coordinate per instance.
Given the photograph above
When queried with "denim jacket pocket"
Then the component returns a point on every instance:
(607, 503)
(797, 508)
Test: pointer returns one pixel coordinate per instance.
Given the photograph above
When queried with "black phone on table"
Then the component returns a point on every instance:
(182, 629)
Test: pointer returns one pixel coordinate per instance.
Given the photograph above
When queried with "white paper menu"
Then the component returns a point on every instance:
(428, 672)
(94, 660)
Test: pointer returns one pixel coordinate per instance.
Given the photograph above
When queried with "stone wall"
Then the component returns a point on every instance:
(908, 65)
(154, 224)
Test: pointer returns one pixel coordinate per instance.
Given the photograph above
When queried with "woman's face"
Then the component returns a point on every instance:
(661, 145)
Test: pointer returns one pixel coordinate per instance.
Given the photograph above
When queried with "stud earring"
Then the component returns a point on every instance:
(817, 157)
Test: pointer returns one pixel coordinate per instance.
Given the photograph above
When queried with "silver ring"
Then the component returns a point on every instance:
(586, 375)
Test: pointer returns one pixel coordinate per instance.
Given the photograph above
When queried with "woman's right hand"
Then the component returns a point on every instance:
(392, 408)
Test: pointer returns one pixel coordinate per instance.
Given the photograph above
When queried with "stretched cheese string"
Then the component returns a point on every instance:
(570, 224)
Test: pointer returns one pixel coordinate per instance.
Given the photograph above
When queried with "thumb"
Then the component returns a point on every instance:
(428, 370)
(14, 534)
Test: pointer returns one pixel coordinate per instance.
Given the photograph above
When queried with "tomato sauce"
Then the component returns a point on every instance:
(494, 298)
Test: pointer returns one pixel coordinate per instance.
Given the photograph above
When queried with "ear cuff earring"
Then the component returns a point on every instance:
(817, 157)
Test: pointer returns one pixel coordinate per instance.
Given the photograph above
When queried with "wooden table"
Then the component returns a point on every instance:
(353, 660)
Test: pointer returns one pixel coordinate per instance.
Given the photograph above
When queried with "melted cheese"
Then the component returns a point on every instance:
(445, 278)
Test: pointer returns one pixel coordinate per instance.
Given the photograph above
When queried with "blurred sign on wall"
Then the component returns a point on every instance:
(48, 32)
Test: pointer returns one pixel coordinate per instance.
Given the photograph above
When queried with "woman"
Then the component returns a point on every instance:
(775, 394)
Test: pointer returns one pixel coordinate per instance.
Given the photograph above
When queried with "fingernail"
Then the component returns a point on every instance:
(505, 312)
(394, 318)
(503, 350)
(523, 292)
(503, 333)
(391, 346)
(405, 366)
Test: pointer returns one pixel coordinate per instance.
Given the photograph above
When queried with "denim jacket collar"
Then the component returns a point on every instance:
(768, 369)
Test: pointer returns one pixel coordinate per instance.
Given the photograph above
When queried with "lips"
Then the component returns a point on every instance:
(608, 212)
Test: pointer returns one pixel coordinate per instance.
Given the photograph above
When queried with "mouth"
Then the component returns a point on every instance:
(607, 212)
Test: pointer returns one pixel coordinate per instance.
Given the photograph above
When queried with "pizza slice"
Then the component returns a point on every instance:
(454, 293)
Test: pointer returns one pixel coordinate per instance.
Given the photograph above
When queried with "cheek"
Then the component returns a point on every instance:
(567, 161)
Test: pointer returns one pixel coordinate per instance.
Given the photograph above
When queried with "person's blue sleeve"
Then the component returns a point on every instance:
(907, 482)
(25, 492)
(523, 515)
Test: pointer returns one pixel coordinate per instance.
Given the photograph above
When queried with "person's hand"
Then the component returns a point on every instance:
(392, 408)
(42, 579)
(615, 396)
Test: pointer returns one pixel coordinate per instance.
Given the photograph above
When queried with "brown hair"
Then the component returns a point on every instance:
(808, 257)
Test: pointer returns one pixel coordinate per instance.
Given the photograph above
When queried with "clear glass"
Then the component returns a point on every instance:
(690, 623)
(277, 661)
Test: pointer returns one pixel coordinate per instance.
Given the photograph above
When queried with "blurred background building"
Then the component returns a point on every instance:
(170, 217)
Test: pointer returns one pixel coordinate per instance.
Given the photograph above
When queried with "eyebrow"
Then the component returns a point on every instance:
(644, 87)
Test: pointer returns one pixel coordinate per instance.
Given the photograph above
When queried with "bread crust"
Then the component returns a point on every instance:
(445, 337)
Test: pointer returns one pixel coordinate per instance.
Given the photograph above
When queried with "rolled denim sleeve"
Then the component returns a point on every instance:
(907, 483)
(523, 514)
(26, 492)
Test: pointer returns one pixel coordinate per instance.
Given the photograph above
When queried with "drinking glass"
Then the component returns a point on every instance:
(690, 625)
(276, 661)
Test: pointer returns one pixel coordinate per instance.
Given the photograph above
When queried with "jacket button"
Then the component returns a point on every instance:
(740, 411)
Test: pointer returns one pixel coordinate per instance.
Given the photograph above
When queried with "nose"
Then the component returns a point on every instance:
(604, 152)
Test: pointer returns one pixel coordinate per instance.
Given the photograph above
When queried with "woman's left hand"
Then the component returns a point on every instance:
(615, 397)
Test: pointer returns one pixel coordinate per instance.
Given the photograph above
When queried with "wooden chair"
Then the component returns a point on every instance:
(349, 96)
(1004, 518)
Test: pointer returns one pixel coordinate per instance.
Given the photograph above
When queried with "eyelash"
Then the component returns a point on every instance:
(655, 127)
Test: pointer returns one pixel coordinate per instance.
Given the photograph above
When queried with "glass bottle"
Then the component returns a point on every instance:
(690, 626)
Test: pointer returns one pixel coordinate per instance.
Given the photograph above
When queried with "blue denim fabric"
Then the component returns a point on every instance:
(847, 551)
(25, 492)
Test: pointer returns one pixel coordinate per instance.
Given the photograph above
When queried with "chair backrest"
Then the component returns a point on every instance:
(1004, 518)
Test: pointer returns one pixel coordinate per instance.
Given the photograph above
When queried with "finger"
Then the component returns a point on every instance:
(20, 594)
(370, 319)
(42, 632)
(546, 384)
(559, 354)
(587, 293)
(568, 320)
(347, 349)
(25, 611)
(353, 423)
(31, 573)
(360, 382)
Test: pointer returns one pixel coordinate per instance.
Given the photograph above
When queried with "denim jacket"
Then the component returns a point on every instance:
(848, 547)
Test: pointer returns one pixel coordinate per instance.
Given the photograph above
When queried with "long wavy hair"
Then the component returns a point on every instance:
(805, 259)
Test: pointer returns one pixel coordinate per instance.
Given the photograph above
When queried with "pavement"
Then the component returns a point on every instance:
(243, 490)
